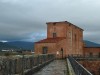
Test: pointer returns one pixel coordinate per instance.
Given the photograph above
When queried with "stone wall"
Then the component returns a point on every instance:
(21, 64)
(92, 65)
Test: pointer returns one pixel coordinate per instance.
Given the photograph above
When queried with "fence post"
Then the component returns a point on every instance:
(23, 64)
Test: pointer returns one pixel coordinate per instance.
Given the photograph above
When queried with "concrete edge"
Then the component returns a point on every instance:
(84, 68)
(70, 69)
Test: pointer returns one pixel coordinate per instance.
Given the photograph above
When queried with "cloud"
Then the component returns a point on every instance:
(21, 19)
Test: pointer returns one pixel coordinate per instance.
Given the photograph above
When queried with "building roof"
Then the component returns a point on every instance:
(51, 40)
(65, 22)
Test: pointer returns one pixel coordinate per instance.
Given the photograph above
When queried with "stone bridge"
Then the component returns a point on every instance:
(40, 65)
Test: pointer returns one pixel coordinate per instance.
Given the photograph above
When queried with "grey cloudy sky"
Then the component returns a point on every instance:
(26, 19)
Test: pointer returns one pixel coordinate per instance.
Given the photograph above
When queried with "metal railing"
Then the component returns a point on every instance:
(20, 64)
(78, 68)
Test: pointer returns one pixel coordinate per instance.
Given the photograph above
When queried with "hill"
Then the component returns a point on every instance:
(91, 44)
(22, 44)
(4, 46)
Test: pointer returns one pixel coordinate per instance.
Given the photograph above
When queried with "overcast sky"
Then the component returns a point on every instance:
(26, 19)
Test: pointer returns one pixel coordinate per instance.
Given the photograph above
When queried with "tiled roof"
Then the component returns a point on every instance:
(51, 40)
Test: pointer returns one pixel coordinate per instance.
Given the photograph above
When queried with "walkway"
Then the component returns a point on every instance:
(57, 67)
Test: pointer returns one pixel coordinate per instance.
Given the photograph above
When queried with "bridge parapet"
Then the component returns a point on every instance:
(23, 64)
(77, 67)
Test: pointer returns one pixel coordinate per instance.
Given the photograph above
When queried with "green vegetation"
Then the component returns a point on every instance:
(9, 53)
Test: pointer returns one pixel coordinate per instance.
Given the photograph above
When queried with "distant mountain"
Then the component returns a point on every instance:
(17, 45)
(91, 44)
(4, 46)
(22, 44)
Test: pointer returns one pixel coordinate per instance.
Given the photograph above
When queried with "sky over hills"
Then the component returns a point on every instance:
(25, 20)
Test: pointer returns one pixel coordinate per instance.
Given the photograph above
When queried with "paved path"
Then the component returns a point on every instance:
(57, 67)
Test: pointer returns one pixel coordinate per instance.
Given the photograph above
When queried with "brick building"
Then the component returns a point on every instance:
(63, 38)
(91, 51)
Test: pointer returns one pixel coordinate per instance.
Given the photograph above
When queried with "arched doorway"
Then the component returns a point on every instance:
(62, 53)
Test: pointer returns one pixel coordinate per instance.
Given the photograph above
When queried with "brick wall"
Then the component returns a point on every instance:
(51, 48)
(92, 65)
(72, 44)
(58, 28)
(95, 51)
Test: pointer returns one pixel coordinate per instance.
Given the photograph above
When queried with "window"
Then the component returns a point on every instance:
(90, 54)
(54, 23)
(54, 35)
(45, 49)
